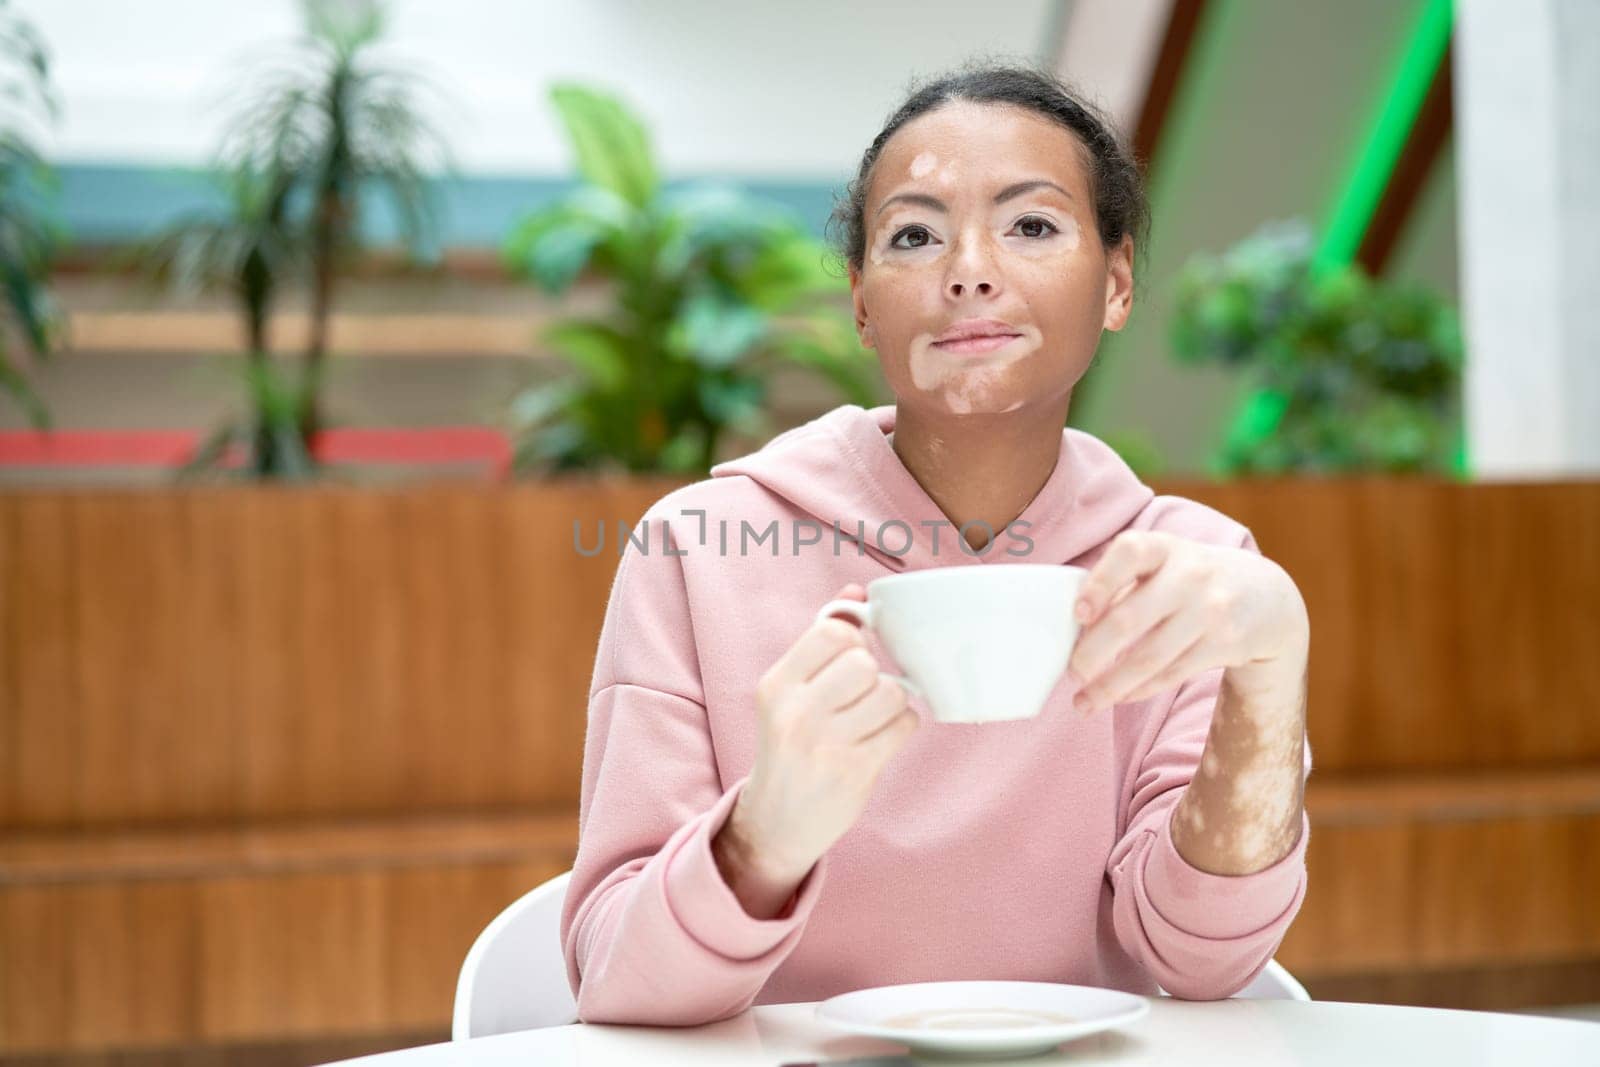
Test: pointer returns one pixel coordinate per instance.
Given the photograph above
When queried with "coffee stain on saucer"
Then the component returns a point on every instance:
(977, 1019)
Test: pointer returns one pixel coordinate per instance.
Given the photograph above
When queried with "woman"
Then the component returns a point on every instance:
(766, 818)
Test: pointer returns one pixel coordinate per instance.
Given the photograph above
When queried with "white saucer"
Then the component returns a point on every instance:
(981, 1020)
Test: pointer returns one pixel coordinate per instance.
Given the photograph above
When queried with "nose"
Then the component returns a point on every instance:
(971, 270)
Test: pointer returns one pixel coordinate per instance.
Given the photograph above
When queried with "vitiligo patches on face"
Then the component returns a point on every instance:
(923, 164)
(968, 382)
(1071, 234)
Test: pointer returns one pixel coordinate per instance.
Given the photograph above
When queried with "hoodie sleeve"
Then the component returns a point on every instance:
(1201, 936)
(651, 932)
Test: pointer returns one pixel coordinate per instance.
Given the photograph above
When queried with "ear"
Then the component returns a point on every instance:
(863, 325)
(1119, 284)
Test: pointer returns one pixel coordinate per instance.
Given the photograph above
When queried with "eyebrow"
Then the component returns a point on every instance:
(1011, 191)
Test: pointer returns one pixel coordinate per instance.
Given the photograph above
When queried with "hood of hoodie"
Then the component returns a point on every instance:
(841, 469)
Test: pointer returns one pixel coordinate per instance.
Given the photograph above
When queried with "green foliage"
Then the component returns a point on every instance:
(338, 121)
(309, 137)
(1351, 374)
(273, 444)
(29, 230)
(250, 252)
(712, 291)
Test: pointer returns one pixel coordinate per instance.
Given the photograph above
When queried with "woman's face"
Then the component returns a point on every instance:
(981, 211)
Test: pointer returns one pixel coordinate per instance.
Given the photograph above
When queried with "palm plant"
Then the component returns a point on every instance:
(712, 291)
(29, 234)
(341, 122)
(250, 251)
(315, 136)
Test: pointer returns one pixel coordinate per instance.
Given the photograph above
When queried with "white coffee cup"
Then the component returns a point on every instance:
(978, 642)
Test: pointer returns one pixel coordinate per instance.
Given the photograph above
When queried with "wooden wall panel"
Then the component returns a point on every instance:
(462, 669)
(1453, 626)
(272, 653)
(1457, 873)
(35, 971)
(42, 715)
(242, 935)
(149, 963)
(276, 652)
(136, 653)
(268, 709)
(200, 689)
(10, 725)
(1491, 987)
(216, 660)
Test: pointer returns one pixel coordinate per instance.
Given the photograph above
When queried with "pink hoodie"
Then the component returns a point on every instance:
(1031, 850)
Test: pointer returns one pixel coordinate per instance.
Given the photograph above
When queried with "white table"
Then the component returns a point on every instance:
(1232, 1032)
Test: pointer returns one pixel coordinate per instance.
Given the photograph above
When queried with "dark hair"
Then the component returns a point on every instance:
(1115, 182)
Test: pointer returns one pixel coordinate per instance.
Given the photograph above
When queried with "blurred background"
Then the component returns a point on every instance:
(323, 322)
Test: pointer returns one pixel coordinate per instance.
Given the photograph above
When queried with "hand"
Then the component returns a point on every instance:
(1158, 609)
(829, 721)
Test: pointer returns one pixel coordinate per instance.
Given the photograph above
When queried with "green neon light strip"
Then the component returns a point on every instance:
(1358, 200)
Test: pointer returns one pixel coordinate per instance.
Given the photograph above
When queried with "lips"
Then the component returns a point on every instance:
(970, 329)
(974, 345)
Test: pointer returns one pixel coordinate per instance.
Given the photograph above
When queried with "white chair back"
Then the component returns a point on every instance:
(515, 974)
(1273, 983)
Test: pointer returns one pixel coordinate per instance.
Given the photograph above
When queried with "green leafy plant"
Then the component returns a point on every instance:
(272, 442)
(29, 231)
(1351, 374)
(311, 138)
(250, 251)
(712, 291)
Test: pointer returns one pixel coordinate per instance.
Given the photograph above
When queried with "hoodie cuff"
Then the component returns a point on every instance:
(705, 905)
(1222, 907)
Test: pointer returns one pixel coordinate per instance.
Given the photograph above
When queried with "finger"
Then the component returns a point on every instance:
(846, 678)
(1146, 659)
(1197, 659)
(853, 591)
(863, 718)
(1102, 641)
(892, 736)
(820, 643)
(1131, 557)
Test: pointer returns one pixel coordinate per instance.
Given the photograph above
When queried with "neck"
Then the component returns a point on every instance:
(980, 468)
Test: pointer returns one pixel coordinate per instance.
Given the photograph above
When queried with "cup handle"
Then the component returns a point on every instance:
(861, 612)
(858, 610)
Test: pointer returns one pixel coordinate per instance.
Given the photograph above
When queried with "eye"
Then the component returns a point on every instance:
(1026, 220)
(1036, 220)
(893, 241)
